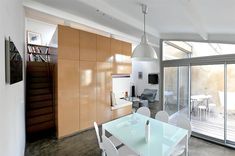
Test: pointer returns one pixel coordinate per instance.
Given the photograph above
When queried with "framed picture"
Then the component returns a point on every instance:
(140, 75)
(34, 38)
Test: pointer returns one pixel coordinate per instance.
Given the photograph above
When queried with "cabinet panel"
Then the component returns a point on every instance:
(87, 46)
(116, 49)
(68, 43)
(103, 49)
(87, 94)
(127, 50)
(104, 87)
(122, 68)
(68, 97)
(121, 53)
(117, 113)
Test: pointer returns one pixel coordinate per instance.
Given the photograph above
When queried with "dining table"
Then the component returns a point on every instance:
(199, 100)
(163, 137)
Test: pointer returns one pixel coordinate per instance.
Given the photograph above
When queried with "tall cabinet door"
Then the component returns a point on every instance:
(68, 43)
(87, 46)
(68, 97)
(104, 87)
(103, 49)
(121, 53)
(67, 81)
(126, 52)
(87, 94)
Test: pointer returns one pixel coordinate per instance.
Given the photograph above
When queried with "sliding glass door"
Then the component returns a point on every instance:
(171, 90)
(207, 108)
(230, 100)
(176, 89)
(199, 82)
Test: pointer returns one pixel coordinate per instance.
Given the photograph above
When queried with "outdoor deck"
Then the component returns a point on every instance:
(214, 127)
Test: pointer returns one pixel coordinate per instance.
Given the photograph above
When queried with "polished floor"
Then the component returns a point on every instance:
(85, 144)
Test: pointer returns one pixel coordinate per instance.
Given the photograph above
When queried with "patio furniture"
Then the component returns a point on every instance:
(202, 109)
(200, 100)
(211, 108)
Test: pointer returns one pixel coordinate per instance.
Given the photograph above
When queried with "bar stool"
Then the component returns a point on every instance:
(201, 109)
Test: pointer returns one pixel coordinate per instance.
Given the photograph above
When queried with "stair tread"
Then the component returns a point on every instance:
(40, 104)
(38, 112)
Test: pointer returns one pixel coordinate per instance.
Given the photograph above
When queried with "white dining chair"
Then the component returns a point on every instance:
(111, 150)
(114, 140)
(184, 123)
(162, 116)
(144, 111)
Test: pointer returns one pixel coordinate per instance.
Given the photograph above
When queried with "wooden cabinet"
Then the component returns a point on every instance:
(85, 64)
(87, 94)
(121, 54)
(116, 48)
(68, 43)
(103, 49)
(127, 50)
(103, 89)
(117, 113)
(87, 46)
(68, 97)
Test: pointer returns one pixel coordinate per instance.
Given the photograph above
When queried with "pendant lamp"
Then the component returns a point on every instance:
(144, 51)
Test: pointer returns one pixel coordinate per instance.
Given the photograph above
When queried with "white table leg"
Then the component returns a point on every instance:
(186, 145)
(103, 131)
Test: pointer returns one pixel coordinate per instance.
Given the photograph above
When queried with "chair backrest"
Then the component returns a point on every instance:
(184, 123)
(162, 116)
(149, 94)
(109, 147)
(144, 111)
(98, 135)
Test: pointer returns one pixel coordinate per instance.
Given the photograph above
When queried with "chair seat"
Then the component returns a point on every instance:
(212, 105)
(115, 141)
(125, 151)
(179, 150)
(202, 107)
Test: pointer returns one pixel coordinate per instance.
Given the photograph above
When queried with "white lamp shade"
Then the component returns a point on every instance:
(144, 52)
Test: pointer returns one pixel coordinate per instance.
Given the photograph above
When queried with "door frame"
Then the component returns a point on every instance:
(197, 61)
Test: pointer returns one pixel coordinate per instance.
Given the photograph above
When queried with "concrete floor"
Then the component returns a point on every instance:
(85, 144)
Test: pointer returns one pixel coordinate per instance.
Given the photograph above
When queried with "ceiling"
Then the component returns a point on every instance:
(176, 19)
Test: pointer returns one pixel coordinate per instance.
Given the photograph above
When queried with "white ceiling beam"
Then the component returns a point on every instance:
(115, 13)
(194, 18)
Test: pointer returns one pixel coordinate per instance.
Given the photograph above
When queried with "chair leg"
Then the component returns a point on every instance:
(103, 153)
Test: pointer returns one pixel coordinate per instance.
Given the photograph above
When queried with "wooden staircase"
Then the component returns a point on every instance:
(40, 109)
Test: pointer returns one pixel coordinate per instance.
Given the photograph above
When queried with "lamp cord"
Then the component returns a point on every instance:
(144, 23)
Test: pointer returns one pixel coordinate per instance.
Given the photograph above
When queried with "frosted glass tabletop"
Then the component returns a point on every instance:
(130, 130)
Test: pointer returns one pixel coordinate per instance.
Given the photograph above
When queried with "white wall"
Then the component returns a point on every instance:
(145, 68)
(121, 85)
(12, 114)
(45, 29)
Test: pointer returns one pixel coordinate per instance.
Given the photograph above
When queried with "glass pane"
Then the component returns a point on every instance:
(207, 109)
(173, 50)
(170, 90)
(231, 102)
(183, 90)
(185, 49)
